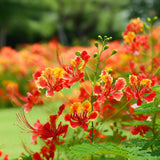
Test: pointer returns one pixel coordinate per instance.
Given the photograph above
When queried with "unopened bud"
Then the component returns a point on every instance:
(155, 18)
(149, 19)
(100, 37)
(106, 47)
(96, 44)
(105, 37)
(114, 52)
(95, 55)
(78, 53)
(109, 38)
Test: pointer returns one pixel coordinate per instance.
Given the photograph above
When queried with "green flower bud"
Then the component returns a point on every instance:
(78, 53)
(155, 18)
(109, 38)
(106, 47)
(95, 55)
(149, 19)
(100, 37)
(114, 52)
(96, 44)
(105, 37)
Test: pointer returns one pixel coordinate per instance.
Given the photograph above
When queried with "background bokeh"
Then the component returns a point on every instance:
(72, 22)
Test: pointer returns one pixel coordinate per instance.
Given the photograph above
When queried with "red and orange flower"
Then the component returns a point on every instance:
(140, 86)
(108, 91)
(81, 114)
(51, 79)
(45, 131)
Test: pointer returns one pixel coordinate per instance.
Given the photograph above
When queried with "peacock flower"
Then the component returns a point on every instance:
(107, 89)
(75, 70)
(81, 115)
(51, 79)
(139, 86)
(46, 131)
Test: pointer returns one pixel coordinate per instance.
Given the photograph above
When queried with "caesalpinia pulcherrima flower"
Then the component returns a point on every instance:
(51, 79)
(139, 86)
(55, 79)
(107, 90)
(81, 114)
(45, 131)
(75, 69)
(133, 39)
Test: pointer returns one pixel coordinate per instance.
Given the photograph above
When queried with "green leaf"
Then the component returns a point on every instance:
(133, 153)
(147, 110)
(136, 123)
(157, 89)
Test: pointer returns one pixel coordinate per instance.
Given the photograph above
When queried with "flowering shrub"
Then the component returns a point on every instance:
(118, 90)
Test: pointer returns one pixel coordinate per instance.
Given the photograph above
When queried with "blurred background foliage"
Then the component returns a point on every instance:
(70, 21)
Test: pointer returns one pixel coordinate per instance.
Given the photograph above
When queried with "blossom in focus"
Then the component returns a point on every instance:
(51, 79)
(107, 89)
(81, 114)
(75, 70)
(48, 130)
(139, 86)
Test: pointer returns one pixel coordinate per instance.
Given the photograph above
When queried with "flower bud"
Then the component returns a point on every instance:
(109, 38)
(95, 55)
(155, 18)
(96, 44)
(78, 53)
(149, 19)
(114, 52)
(106, 47)
(105, 37)
(100, 37)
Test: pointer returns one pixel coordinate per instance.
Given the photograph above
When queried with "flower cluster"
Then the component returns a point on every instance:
(140, 86)
(133, 38)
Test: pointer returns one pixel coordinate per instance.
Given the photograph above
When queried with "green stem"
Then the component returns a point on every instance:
(152, 50)
(157, 71)
(97, 65)
(119, 109)
(154, 123)
(94, 82)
